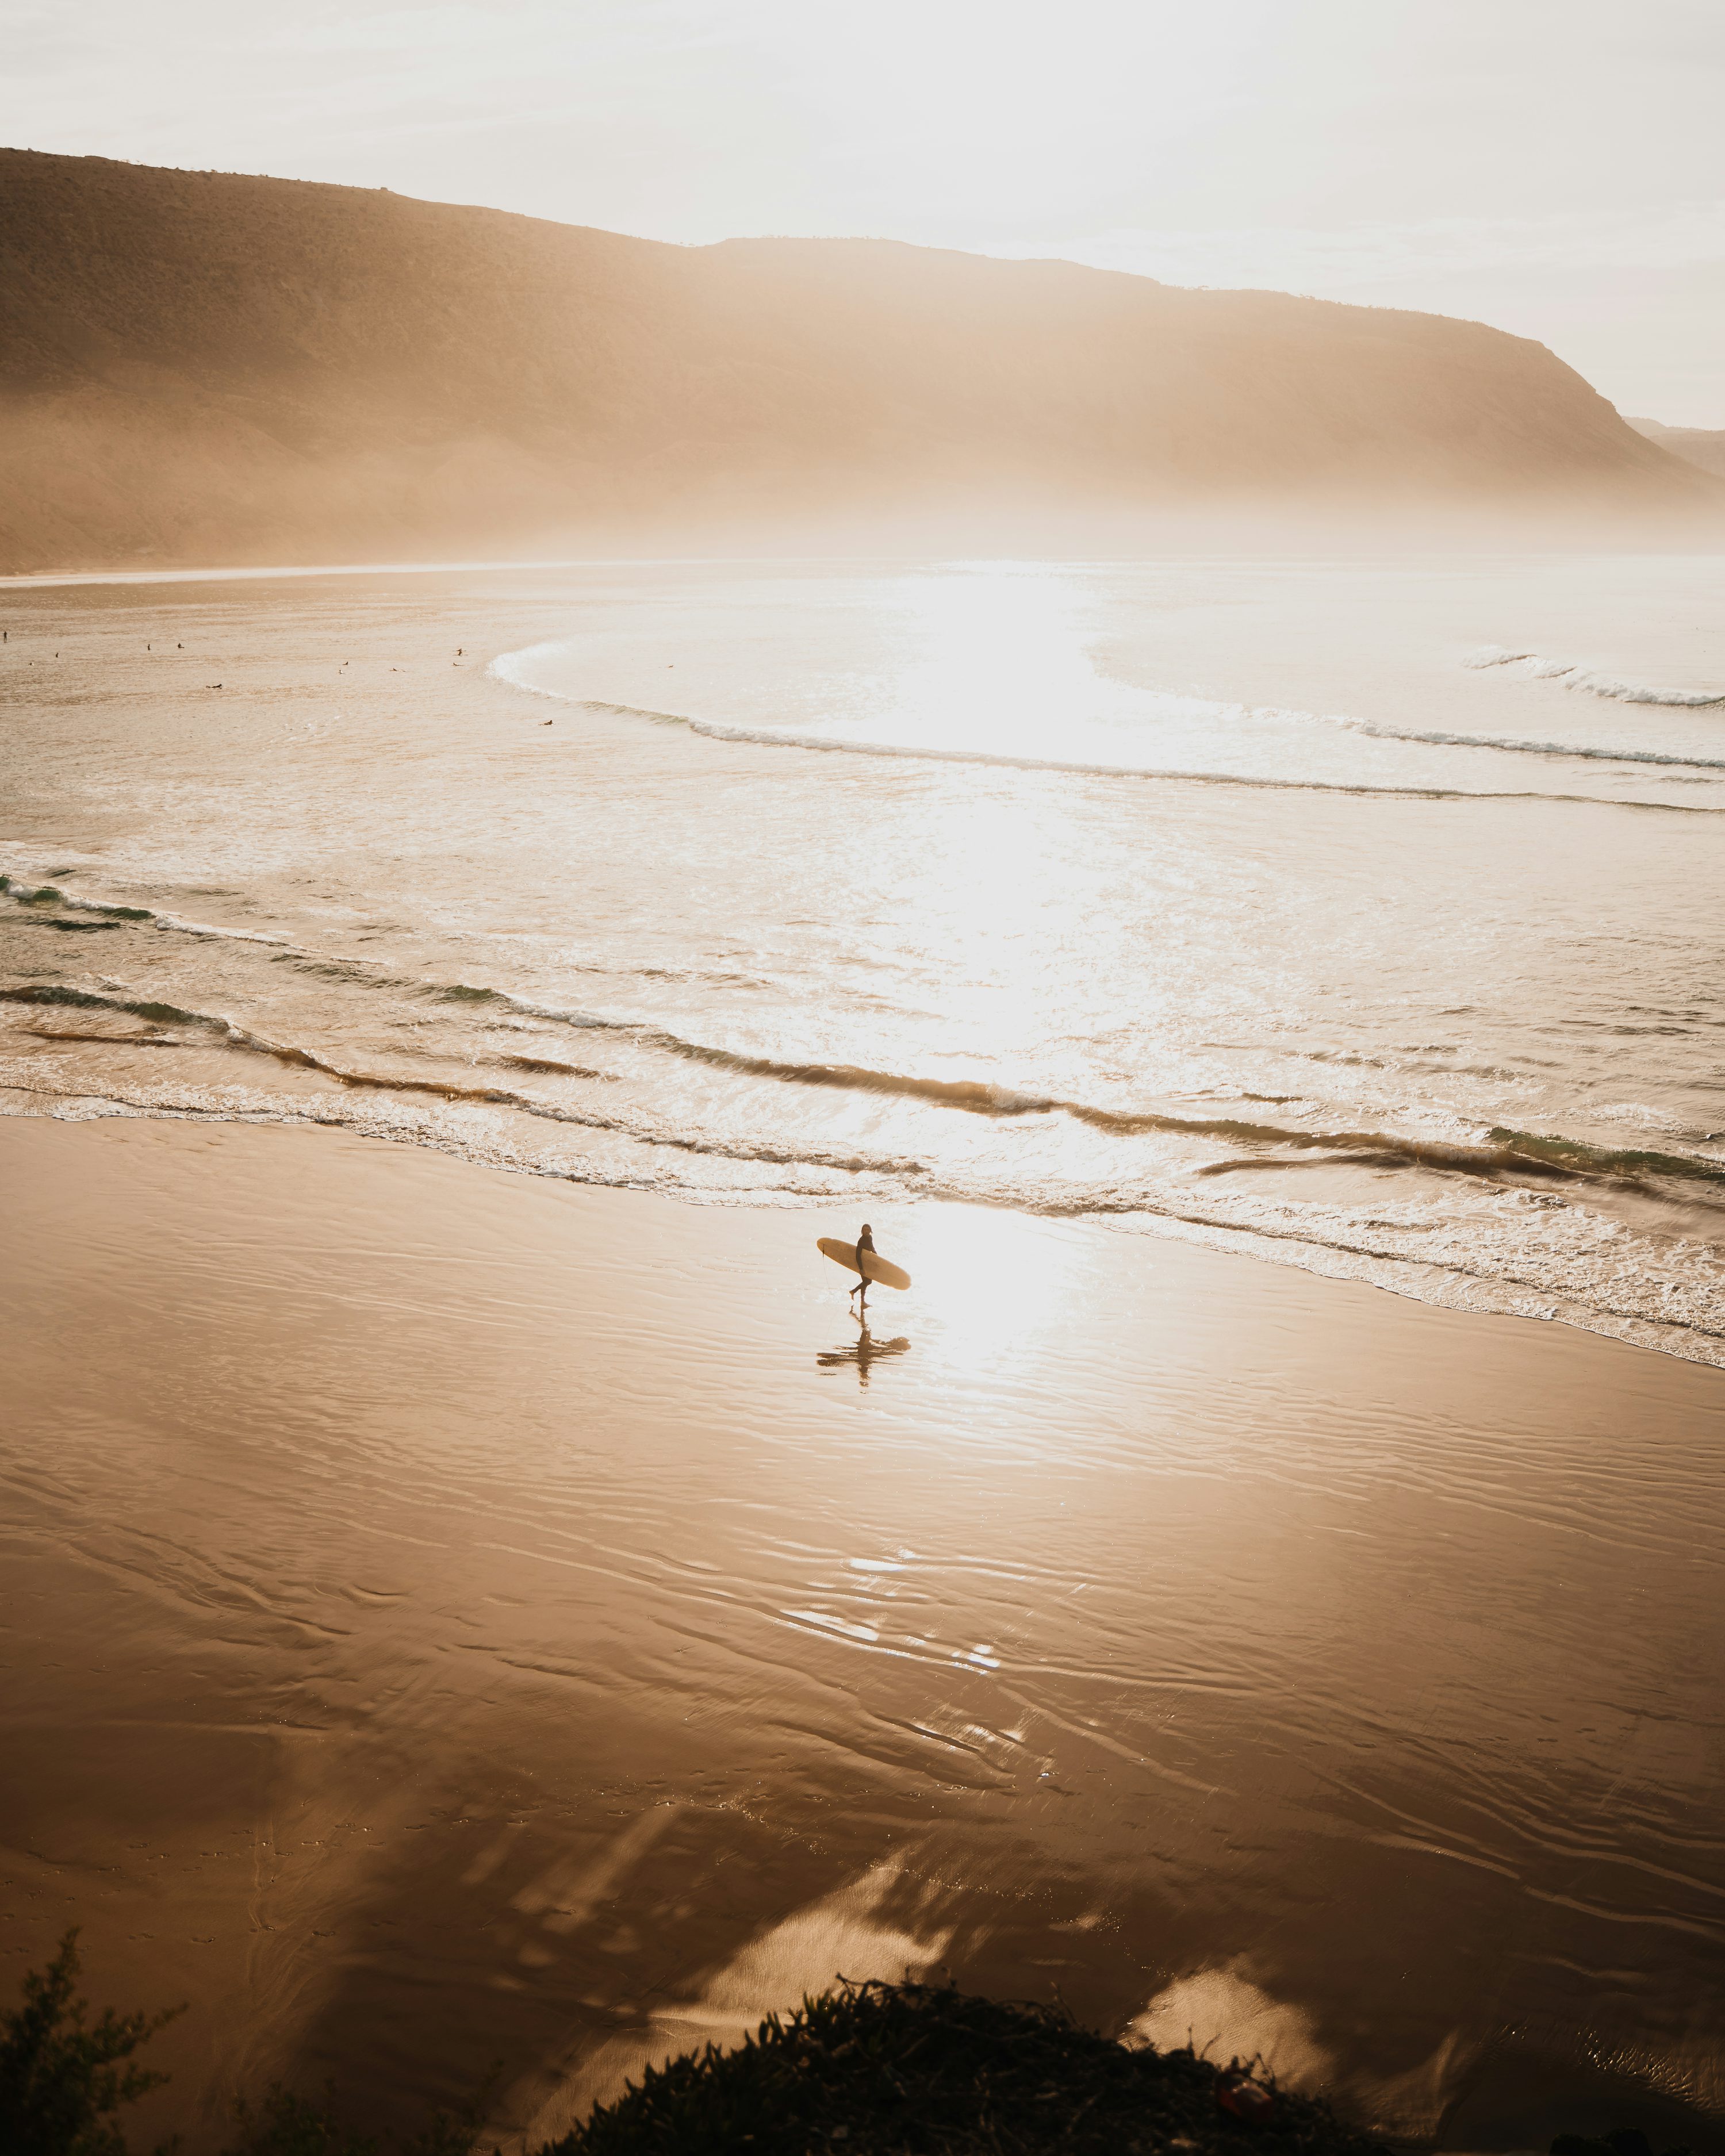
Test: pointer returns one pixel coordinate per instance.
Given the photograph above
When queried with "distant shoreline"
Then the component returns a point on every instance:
(51, 579)
(1200, 544)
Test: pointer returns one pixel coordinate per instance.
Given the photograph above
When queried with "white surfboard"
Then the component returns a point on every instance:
(875, 1268)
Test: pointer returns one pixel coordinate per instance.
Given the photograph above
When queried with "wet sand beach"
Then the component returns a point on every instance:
(458, 1615)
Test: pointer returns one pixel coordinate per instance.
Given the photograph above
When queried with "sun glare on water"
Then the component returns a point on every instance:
(990, 1293)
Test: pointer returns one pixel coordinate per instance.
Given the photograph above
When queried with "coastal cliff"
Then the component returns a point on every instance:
(200, 367)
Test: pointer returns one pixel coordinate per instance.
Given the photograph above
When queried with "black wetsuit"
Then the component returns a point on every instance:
(865, 1241)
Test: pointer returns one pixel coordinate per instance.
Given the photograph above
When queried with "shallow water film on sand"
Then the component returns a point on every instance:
(1364, 916)
(466, 1615)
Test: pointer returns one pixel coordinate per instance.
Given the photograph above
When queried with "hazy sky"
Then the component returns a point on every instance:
(1556, 167)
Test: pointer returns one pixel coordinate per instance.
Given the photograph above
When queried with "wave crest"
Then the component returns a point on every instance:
(1573, 675)
(1501, 1154)
(506, 669)
(48, 894)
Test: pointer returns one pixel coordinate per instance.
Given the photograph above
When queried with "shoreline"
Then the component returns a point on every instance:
(1435, 1286)
(1347, 538)
(1474, 1238)
(476, 1614)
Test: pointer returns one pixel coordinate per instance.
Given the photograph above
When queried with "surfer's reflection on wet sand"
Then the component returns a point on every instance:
(866, 1350)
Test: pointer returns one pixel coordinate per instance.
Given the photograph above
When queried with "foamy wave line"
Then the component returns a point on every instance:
(187, 1105)
(507, 668)
(1437, 740)
(1502, 1152)
(1451, 1279)
(771, 737)
(47, 893)
(1574, 676)
(232, 1035)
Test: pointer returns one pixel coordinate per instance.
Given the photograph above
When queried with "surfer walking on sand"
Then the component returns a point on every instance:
(862, 1258)
(865, 1241)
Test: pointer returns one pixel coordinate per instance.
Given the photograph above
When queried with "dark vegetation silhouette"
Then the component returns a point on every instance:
(63, 2077)
(873, 2069)
(209, 368)
(917, 2070)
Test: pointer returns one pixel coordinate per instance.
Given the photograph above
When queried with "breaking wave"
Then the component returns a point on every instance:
(1574, 676)
(231, 1036)
(1434, 739)
(1501, 1154)
(48, 894)
(781, 737)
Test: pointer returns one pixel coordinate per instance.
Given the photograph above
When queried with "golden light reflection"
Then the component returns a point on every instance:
(995, 1290)
(1005, 671)
(1221, 2010)
(1005, 661)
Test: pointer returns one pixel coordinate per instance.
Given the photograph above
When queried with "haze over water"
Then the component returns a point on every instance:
(472, 1615)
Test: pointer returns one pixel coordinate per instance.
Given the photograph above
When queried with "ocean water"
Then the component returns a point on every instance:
(1366, 915)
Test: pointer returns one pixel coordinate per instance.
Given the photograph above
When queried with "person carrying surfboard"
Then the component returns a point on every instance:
(865, 1241)
(863, 1259)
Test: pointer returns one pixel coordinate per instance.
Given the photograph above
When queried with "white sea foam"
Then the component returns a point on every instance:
(512, 667)
(118, 910)
(184, 927)
(1508, 744)
(771, 737)
(1573, 675)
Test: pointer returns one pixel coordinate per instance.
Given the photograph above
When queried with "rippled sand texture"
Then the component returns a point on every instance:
(457, 1615)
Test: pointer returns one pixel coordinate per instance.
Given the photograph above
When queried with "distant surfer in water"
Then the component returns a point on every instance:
(865, 1241)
